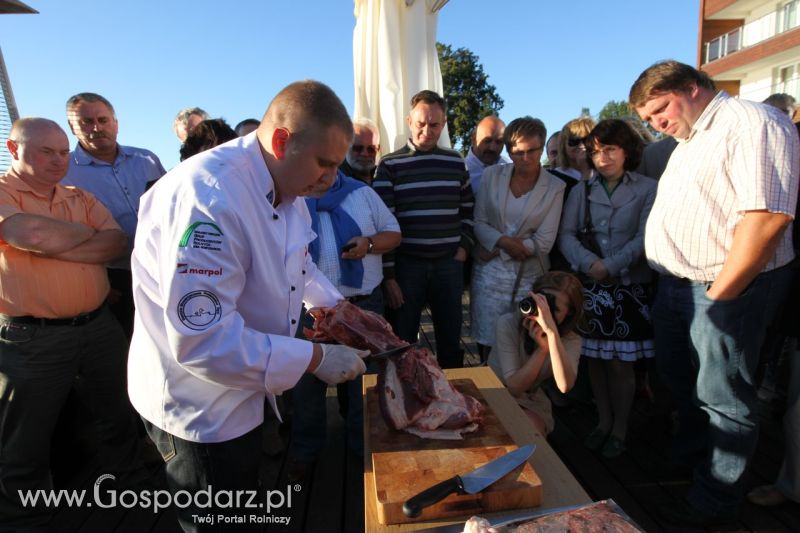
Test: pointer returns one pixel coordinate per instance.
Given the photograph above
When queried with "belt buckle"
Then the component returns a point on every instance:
(79, 320)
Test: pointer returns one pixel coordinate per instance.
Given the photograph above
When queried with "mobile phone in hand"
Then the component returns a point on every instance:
(349, 246)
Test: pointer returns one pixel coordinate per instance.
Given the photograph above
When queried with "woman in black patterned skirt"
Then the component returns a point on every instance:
(602, 237)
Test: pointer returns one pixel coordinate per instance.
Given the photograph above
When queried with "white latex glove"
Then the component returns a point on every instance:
(476, 524)
(340, 363)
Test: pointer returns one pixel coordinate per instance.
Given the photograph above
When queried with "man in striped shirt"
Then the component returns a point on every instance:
(718, 235)
(427, 188)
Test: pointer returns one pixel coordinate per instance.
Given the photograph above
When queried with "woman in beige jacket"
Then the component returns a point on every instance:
(517, 212)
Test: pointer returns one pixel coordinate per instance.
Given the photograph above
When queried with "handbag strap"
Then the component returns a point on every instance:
(588, 227)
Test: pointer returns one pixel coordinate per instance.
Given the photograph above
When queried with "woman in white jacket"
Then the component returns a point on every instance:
(516, 224)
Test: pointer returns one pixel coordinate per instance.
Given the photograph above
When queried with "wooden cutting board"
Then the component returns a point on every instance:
(404, 465)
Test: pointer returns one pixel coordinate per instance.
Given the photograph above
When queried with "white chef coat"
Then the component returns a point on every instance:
(219, 278)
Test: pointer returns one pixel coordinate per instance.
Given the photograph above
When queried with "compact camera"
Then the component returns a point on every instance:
(527, 306)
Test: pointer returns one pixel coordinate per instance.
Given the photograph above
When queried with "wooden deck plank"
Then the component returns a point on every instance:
(639, 482)
(326, 499)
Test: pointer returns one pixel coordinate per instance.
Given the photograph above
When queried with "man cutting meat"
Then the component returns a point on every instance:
(220, 272)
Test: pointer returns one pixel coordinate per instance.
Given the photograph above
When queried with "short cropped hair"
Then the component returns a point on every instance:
(207, 134)
(26, 127)
(182, 118)
(616, 132)
(89, 97)
(578, 127)
(665, 77)
(521, 128)
(246, 122)
(370, 125)
(305, 108)
(430, 98)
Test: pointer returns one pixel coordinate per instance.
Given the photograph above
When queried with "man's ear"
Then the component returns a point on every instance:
(13, 147)
(280, 139)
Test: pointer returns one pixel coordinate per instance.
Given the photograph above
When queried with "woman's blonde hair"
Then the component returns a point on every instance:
(578, 127)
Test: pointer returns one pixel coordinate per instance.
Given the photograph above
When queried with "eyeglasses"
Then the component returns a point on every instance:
(574, 141)
(608, 151)
(371, 149)
(529, 152)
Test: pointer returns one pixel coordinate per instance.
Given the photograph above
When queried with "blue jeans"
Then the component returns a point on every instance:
(309, 418)
(225, 466)
(707, 352)
(39, 364)
(438, 282)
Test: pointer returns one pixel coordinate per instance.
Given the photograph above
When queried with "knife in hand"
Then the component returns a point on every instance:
(394, 351)
(470, 483)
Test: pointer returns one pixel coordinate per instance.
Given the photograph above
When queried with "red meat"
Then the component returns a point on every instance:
(413, 392)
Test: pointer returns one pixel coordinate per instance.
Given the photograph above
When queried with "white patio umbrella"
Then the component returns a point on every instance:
(394, 57)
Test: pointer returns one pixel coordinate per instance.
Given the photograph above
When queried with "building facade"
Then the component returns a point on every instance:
(751, 48)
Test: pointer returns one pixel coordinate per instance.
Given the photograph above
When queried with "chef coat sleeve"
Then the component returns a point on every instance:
(205, 332)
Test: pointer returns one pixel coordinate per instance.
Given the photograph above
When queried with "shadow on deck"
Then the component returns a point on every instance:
(333, 501)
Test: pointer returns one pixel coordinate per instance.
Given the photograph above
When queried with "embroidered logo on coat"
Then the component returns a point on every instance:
(184, 268)
(197, 310)
(202, 236)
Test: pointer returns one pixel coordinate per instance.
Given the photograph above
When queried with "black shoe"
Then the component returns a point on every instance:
(682, 513)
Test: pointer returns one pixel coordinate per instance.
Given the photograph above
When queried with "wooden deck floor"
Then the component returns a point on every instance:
(332, 501)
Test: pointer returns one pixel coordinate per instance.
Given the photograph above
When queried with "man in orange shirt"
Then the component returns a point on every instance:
(54, 243)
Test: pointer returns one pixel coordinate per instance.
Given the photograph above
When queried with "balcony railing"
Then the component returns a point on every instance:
(754, 32)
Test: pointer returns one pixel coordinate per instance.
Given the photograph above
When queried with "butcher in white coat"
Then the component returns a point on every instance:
(220, 271)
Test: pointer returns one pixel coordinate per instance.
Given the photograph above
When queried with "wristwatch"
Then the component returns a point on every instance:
(371, 245)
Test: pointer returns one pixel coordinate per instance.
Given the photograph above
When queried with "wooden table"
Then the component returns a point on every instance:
(560, 488)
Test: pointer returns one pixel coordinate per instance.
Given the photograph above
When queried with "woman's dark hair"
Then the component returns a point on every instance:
(618, 133)
(572, 288)
(207, 134)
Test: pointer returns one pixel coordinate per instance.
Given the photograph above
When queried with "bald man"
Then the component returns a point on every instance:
(54, 244)
(487, 144)
(221, 270)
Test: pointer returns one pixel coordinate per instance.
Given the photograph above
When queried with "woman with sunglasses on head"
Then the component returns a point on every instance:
(517, 210)
(541, 345)
(571, 164)
(602, 237)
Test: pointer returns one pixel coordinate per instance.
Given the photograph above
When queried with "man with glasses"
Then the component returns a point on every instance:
(362, 157)
(718, 236)
(487, 144)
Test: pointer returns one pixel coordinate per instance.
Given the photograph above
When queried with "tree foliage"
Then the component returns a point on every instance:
(468, 94)
(619, 109)
(614, 109)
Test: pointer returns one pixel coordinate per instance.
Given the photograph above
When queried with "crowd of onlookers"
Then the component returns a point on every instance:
(573, 253)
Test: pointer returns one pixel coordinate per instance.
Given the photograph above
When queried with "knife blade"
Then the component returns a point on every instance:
(394, 351)
(470, 483)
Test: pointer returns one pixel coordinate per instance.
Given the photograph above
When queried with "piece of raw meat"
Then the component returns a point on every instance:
(352, 326)
(596, 518)
(413, 392)
(415, 395)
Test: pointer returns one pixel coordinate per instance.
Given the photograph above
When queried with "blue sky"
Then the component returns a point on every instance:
(151, 58)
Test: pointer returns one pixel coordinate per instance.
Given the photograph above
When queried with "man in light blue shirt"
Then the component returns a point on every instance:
(117, 175)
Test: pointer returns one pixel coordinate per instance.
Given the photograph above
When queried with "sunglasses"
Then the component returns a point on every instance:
(370, 148)
(574, 141)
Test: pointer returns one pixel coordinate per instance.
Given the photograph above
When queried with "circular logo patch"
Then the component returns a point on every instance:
(199, 309)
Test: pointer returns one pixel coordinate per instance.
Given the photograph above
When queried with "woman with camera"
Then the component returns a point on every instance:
(538, 342)
(602, 238)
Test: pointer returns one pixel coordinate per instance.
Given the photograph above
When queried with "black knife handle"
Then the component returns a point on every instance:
(414, 506)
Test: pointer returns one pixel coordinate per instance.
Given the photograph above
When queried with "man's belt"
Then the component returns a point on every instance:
(78, 320)
(358, 298)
